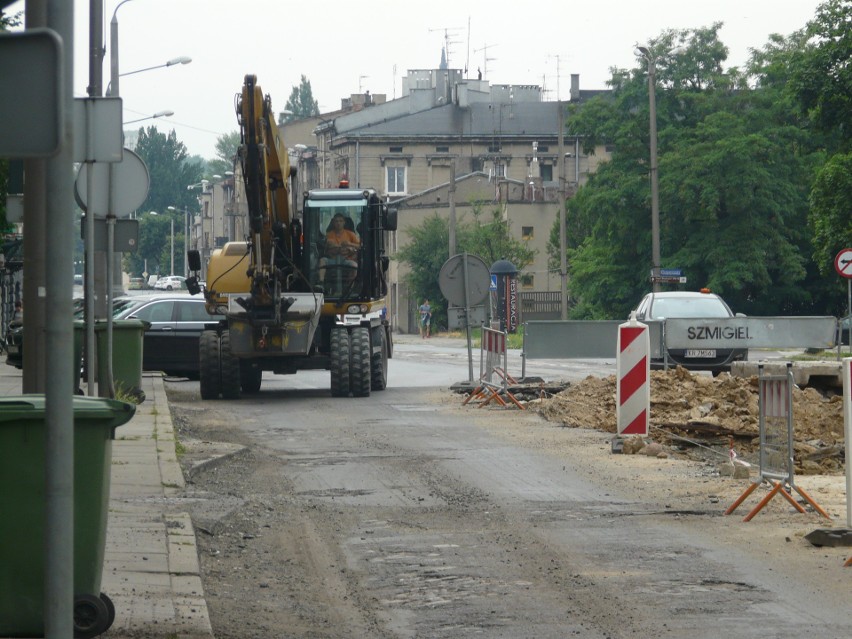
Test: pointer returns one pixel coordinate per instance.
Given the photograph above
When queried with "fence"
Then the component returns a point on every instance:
(545, 305)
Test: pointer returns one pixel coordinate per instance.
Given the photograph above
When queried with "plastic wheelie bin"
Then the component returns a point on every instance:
(127, 340)
(22, 504)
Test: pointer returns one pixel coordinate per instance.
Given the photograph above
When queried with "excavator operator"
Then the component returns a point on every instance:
(341, 246)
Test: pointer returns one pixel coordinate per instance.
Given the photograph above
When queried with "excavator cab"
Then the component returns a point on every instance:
(344, 243)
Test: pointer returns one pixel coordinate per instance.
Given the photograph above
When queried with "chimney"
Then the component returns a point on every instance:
(575, 87)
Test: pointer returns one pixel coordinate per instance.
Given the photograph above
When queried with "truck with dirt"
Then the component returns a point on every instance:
(299, 292)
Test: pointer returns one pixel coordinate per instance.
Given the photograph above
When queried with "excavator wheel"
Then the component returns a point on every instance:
(209, 376)
(339, 362)
(230, 367)
(378, 359)
(359, 362)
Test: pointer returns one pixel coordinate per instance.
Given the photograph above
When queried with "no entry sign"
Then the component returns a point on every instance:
(843, 263)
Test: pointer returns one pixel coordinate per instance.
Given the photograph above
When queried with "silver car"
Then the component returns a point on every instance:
(691, 304)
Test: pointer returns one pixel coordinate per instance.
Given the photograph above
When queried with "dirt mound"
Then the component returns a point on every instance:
(690, 412)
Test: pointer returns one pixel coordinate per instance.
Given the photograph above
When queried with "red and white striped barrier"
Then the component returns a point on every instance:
(633, 369)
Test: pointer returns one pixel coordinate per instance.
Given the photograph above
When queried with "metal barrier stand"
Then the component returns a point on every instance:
(493, 347)
(775, 410)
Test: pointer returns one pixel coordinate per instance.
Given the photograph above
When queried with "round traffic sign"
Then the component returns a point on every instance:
(843, 263)
(452, 281)
(126, 182)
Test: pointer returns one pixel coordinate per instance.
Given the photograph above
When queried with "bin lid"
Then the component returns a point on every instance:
(107, 412)
(123, 325)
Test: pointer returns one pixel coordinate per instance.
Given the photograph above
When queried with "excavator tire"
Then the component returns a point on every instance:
(209, 376)
(339, 362)
(230, 367)
(378, 359)
(359, 362)
(250, 376)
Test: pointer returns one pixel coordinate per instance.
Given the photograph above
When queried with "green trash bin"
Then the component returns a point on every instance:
(127, 340)
(22, 504)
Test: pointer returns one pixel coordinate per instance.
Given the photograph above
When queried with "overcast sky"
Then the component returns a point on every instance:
(351, 47)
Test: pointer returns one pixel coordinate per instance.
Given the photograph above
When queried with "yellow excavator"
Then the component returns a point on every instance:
(297, 293)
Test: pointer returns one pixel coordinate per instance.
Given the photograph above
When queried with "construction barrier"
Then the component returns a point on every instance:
(775, 421)
(633, 370)
(493, 358)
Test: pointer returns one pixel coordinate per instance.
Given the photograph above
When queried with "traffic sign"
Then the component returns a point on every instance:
(451, 280)
(843, 263)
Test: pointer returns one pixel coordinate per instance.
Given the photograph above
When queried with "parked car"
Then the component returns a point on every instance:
(171, 343)
(136, 284)
(171, 283)
(691, 304)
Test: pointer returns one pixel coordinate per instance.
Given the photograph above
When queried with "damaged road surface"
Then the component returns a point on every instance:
(406, 515)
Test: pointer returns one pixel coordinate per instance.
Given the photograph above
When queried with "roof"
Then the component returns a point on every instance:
(526, 119)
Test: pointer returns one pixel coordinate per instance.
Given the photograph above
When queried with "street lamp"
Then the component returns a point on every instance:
(172, 263)
(186, 244)
(158, 114)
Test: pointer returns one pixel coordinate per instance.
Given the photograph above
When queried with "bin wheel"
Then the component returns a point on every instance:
(91, 616)
(110, 610)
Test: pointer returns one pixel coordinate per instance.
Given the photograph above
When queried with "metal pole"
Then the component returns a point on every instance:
(172, 261)
(452, 197)
(563, 259)
(655, 194)
(59, 397)
(467, 317)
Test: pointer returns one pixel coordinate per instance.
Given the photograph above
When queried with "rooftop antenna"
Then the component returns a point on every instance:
(484, 48)
(360, 86)
(447, 40)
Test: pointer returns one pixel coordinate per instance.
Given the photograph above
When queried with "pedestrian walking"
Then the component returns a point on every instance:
(425, 318)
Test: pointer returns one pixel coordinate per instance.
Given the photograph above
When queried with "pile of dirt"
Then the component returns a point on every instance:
(692, 413)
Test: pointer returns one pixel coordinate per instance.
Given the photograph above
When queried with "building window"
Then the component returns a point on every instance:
(442, 149)
(546, 171)
(527, 232)
(527, 280)
(494, 148)
(499, 170)
(395, 149)
(396, 179)
(542, 148)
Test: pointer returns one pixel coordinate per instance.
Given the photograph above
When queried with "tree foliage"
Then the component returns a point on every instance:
(736, 168)
(301, 103)
(486, 236)
(170, 173)
(226, 151)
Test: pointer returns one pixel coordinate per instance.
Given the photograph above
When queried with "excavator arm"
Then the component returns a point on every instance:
(265, 170)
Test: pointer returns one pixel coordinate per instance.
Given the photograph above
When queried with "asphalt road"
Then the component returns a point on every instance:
(406, 515)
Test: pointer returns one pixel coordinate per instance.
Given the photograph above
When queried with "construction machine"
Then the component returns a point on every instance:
(299, 292)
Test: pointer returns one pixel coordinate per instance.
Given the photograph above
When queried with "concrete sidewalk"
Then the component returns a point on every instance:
(151, 569)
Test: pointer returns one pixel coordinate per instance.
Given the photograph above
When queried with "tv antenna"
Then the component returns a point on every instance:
(447, 41)
(484, 48)
(360, 85)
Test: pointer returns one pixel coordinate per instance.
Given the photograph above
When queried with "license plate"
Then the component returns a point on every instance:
(701, 352)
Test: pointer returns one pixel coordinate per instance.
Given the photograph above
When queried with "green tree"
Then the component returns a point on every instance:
(820, 82)
(170, 173)
(226, 151)
(485, 235)
(734, 172)
(300, 104)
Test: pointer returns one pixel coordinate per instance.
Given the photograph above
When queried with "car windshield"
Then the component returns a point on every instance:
(688, 307)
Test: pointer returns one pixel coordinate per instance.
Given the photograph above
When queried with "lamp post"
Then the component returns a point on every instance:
(172, 253)
(158, 114)
(186, 244)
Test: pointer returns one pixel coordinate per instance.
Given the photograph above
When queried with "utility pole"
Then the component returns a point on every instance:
(563, 259)
(452, 198)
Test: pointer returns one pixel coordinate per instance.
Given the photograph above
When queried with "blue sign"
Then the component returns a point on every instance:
(493, 286)
(671, 272)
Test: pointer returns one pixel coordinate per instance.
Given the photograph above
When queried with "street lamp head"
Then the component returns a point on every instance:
(184, 59)
(172, 208)
(163, 114)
